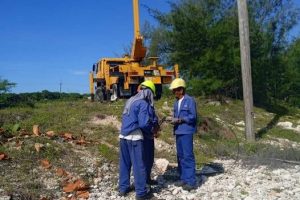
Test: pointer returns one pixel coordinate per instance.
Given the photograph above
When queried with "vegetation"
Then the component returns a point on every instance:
(203, 38)
(5, 85)
(29, 99)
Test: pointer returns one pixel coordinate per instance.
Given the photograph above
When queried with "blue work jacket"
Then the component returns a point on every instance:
(141, 116)
(148, 132)
(188, 113)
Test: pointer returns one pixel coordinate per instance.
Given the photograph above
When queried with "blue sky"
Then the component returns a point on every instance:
(45, 42)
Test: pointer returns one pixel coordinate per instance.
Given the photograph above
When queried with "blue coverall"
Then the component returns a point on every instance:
(132, 151)
(184, 139)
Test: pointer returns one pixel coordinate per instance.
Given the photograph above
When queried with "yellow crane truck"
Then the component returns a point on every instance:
(114, 78)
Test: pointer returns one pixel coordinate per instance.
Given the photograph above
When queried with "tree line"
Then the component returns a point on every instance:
(29, 99)
(202, 36)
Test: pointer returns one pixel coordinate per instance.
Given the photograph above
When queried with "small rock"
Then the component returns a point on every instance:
(162, 165)
(5, 198)
(286, 177)
(214, 103)
(215, 194)
(176, 191)
(276, 172)
(241, 123)
(286, 125)
(191, 197)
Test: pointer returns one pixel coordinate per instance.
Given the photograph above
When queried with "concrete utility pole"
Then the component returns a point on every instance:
(60, 85)
(246, 68)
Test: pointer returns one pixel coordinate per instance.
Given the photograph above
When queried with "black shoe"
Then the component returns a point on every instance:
(179, 183)
(188, 187)
(123, 194)
(152, 182)
(131, 187)
(147, 196)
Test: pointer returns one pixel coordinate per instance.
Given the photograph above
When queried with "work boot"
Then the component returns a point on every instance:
(131, 187)
(124, 193)
(147, 196)
(179, 183)
(152, 182)
(188, 187)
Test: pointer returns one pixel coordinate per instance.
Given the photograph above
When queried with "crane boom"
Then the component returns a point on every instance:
(113, 78)
(138, 50)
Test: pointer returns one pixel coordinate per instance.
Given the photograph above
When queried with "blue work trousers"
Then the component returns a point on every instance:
(131, 154)
(186, 158)
(148, 156)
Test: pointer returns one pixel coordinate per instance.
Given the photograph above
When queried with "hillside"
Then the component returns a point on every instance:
(69, 150)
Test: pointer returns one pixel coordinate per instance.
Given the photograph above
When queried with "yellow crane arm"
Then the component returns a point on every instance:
(138, 51)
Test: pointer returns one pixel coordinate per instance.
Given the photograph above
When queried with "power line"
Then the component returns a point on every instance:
(60, 86)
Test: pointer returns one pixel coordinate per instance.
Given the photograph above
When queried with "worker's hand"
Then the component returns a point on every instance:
(176, 121)
(156, 129)
(169, 119)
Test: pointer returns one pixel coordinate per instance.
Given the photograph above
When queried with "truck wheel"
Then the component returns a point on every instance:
(99, 95)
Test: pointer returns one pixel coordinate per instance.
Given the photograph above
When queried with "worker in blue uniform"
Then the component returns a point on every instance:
(137, 120)
(149, 141)
(184, 121)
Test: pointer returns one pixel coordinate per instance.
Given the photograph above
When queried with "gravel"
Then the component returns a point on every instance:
(240, 180)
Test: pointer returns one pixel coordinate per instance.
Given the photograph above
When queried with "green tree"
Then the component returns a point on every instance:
(5, 85)
(202, 37)
(271, 22)
(290, 89)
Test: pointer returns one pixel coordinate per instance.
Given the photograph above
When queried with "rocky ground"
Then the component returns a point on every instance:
(240, 180)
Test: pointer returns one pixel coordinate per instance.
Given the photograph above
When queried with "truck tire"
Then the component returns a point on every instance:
(99, 94)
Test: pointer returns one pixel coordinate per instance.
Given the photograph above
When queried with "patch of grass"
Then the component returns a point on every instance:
(285, 134)
(213, 147)
(111, 135)
(3, 148)
(18, 177)
(224, 148)
(22, 173)
(202, 159)
(21, 194)
(108, 153)
(171, 157)
(232, 111)
(59, 116)
(104, 133)
(166, 134)
(245, 193)
(250, 148)
(50, 151)
(277, 190)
